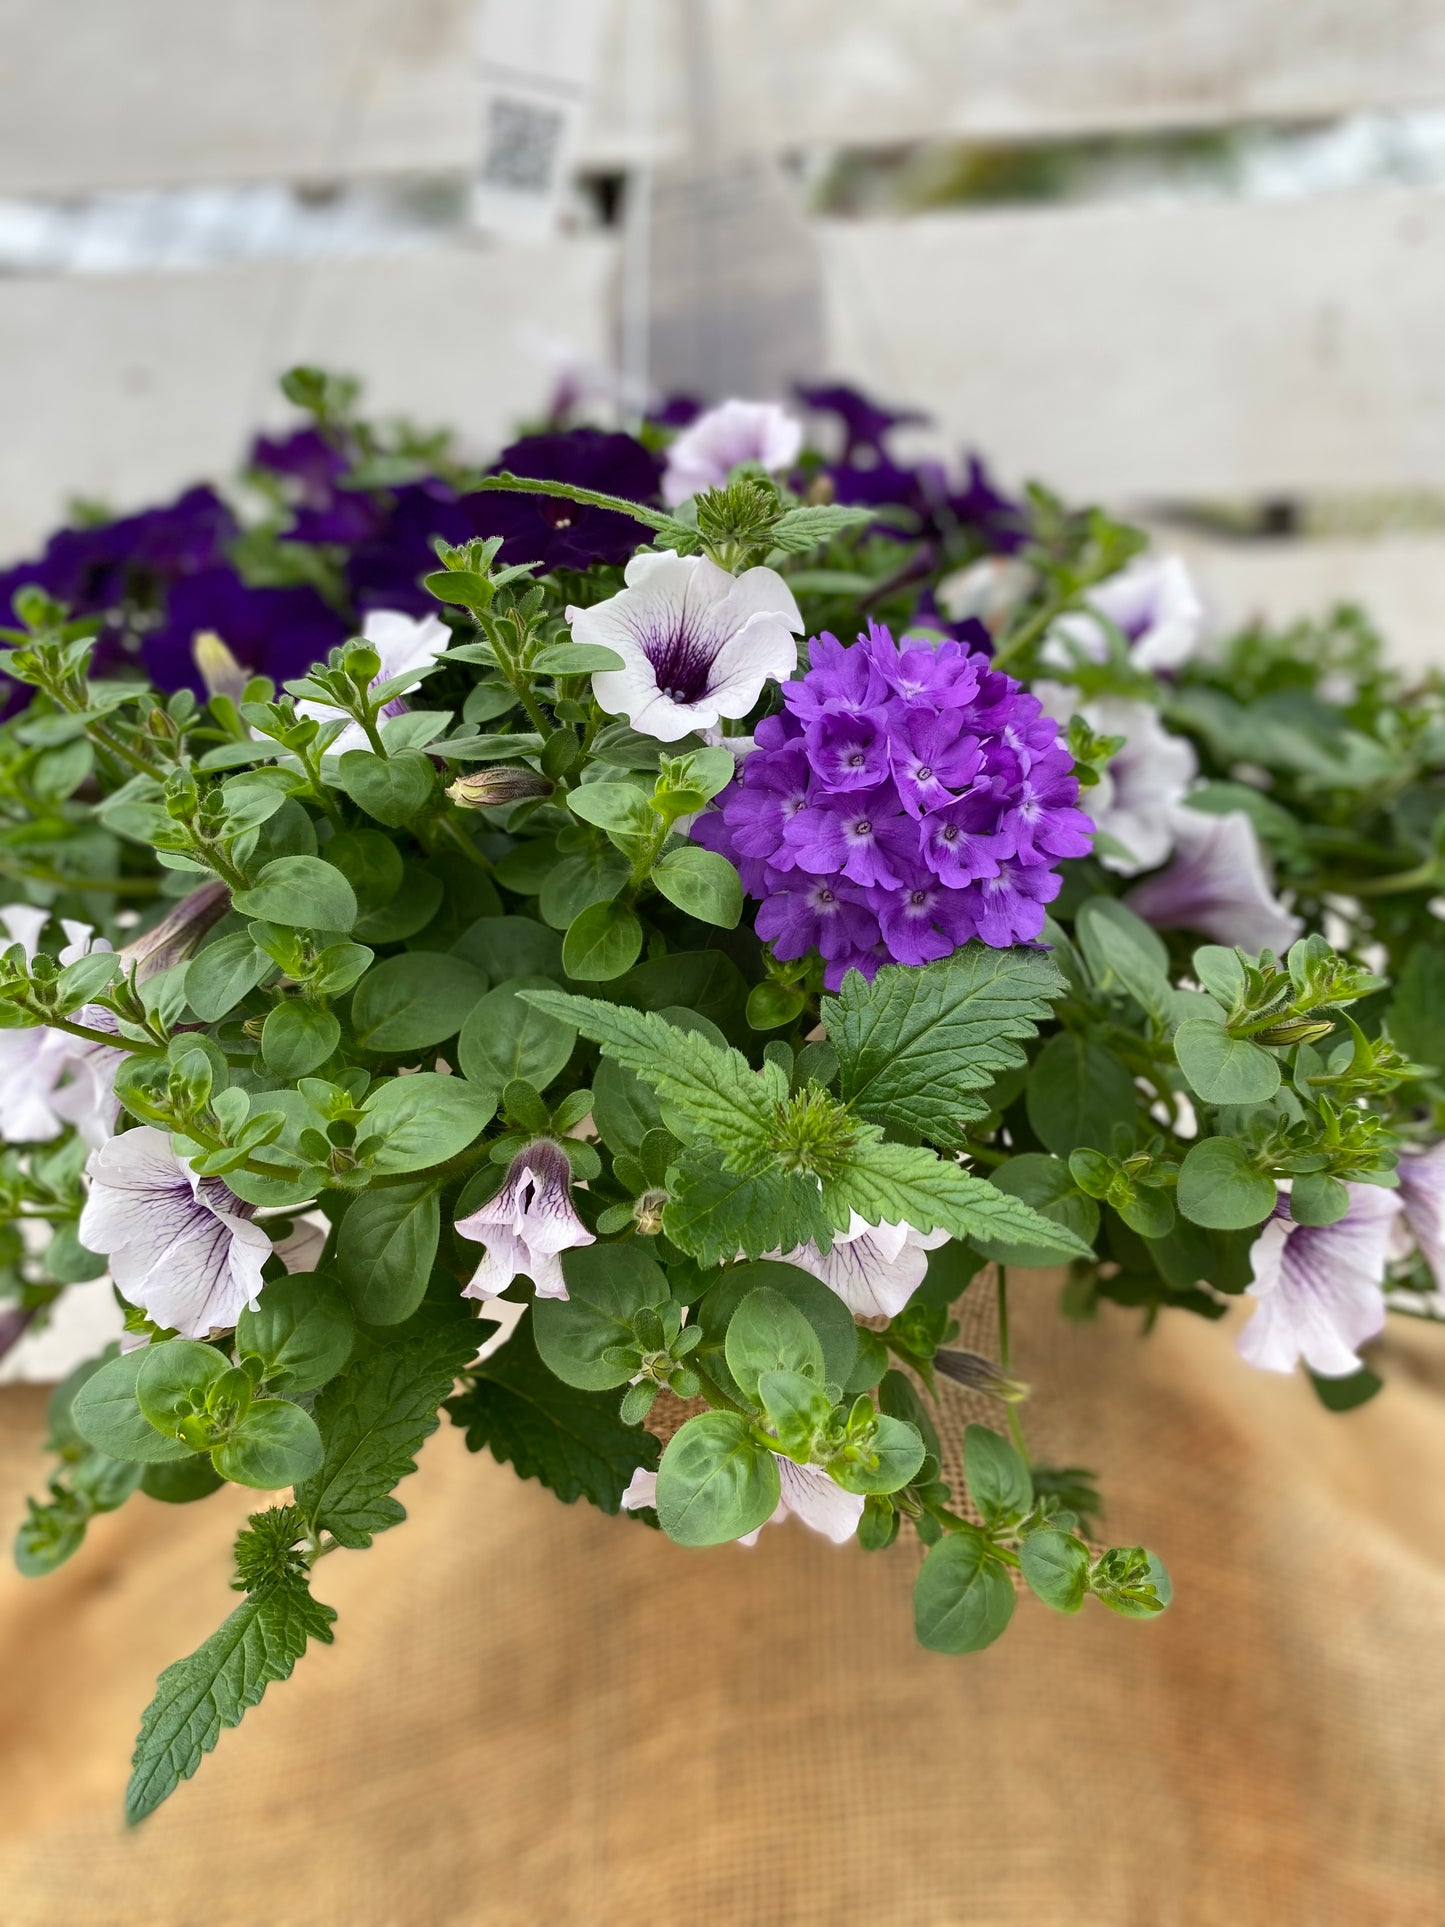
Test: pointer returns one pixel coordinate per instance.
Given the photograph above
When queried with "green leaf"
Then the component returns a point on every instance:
(174, 1378)
(963, 1598)
(301, 1329)
(1417, 1011)
(1056, 1568)
(1047, 1185)
(409, 911)
(767, 1333)
(602, 942)
(715, 1215)
(576, 659)
(394, 789)
(297, 1038)
(897, 1451)
(385, 1249)
(1077, 1092)
(424, 1118)
(702, 883)
(571, 1441)
(715, 1481)
(1124, 953)
(181, 1481)
(801, 529)
(826, 1316)
(1219, 1188)
(276, 1444)
(199, 1696)
(998, 1480)
(1221, 971)
(1318, 1199)
(377, 1415)
(302, 891)
(916, 1046)
(572, 883)
(414, 1001)
(507, 948)
(607, 1285)
(900, 1183)
(106, 1415)
(623, 1108)
(1224, 1069)
(714, 1089)
(1346, 1394)
(507, 1037)
(705, 982)
(219, 976)
(371, 864)
(619, 808)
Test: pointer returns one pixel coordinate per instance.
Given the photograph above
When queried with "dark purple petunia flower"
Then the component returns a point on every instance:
(678, 411)
(1002, 522)
(97, 570)
(385, 571)
(273, 632)
(557, 534)
(908, 798)
(865, 423)
(312, 468)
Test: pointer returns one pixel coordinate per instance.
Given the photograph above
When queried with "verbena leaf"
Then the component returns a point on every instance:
(713, 1089)
(801, 529)
(570, 1441)
(915, 1046)
(715, 1214)
(201, 1695)
(900, 1182)
(375, 1418)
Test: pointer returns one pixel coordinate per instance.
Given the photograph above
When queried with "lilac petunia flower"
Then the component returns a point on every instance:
(1422, 1195)
(927, 803)
(527, 1225)
(1216, 885)
(1320, 1287)
(696, 643)
(874, 1268)
(182, 1247)
(1155, 606)
(1136, 797)
(807, 1492)
(706, 453)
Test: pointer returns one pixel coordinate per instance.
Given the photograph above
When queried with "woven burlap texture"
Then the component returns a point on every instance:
(535, 1714)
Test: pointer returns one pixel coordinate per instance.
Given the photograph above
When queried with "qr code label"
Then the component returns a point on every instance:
(524, 144)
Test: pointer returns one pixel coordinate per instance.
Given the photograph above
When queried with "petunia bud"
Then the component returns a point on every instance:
(219, 669)
(980, 1375)
(179, 931)
(484, 789)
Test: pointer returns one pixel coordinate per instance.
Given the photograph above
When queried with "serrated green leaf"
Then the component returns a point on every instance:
(210, 1690)
(897, 1183)
(916, 1045)
(375, 1418)
(715, 1215)
(571, 1441)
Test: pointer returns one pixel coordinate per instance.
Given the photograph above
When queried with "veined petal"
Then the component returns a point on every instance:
(818, 1501)
(1320, 1287)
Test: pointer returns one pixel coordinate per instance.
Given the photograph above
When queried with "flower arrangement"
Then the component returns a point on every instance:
(611, 947)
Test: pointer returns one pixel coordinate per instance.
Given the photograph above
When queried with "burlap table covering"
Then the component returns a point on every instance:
(536, 1714)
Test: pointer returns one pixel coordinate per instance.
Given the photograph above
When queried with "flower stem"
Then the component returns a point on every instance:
(1016, 1432)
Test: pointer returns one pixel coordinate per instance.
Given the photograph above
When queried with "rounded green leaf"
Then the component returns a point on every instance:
(510, 947)
(616, 807)
(701, 882)
(1123, 952)
(715, 1482)
(1150, 1212)
(275, 1445)
(181, 1481)
(770, 1006)
(174, 1378)
(371, 864)
(385, 1248)
(768, 1333)
(576, 659)
(1048, 1185)
(409, 911)
(301, 1330)
(573, 882)
(1316, 1198)
(963, 1597)
(218, 977)
(394, 789)
(296, 1038)
(897, 1451)
(606, 1286)
(826, 1315)
(1223, 1069)
(414, 1001)
(1056, 1568)
(1076, 1093)
(998, 1480)
(1220, 1189)
(107, 1415)
(421, 1119)
(302, 891)
(505, 1038)
(601, 942)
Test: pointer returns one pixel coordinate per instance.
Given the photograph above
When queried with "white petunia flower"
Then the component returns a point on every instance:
(696, 643)
(807, 1492)
(874, 1269)
(1320, 1287)
(526, 1227)
(182, 1247)
(992, 589)
(1216, 885)
(1153, 603)
(407, 645)
(1135, 797)
(705, 454)
(48, 1078)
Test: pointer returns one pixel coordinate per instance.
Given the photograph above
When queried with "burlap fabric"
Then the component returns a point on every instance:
(537, 1714)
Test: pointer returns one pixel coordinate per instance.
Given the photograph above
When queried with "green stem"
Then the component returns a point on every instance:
(712, 1391)
(90, 1036)
(464, 843)
(54, 880)
(589, 497)
(1016, 1432)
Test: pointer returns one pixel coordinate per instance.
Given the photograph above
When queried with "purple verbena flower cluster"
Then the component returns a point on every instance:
(908, 798)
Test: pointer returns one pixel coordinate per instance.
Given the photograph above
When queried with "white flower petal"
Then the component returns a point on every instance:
(1422, 1193)
(23, 924)
(641, 1491)
(1320, 1287)
(818, 1501)
(706, 453)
